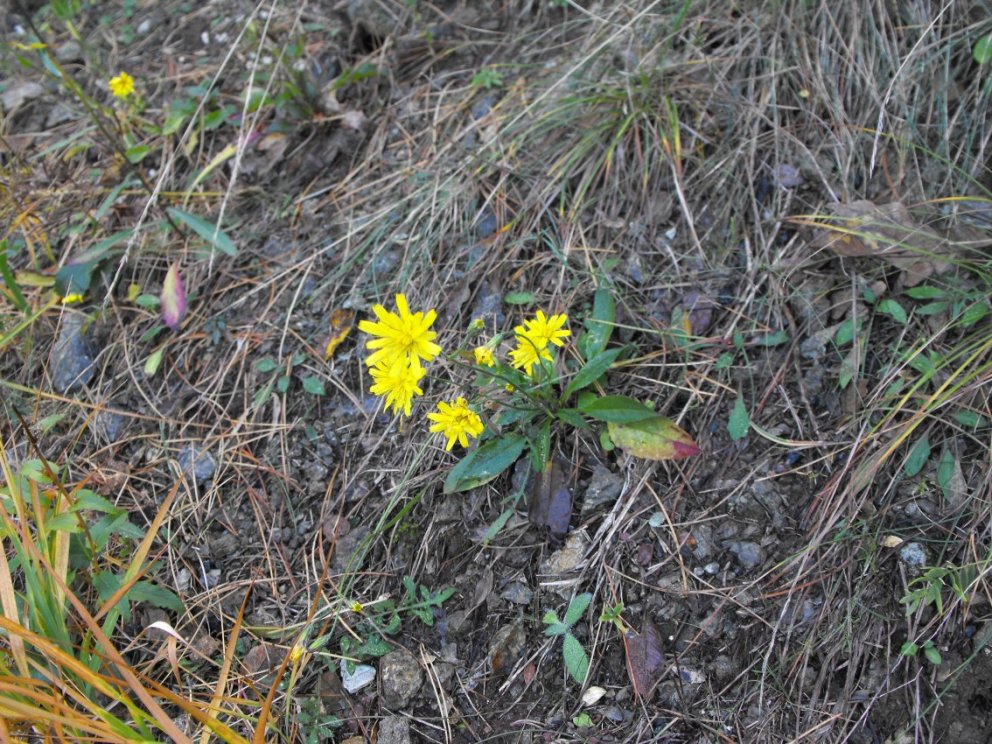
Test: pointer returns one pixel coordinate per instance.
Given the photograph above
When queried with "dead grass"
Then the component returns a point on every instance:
(674, 153)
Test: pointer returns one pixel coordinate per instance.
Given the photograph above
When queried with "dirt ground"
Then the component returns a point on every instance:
(723, 171)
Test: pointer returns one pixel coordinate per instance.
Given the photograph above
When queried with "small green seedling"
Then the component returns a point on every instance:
(929, 651)
(576, 660)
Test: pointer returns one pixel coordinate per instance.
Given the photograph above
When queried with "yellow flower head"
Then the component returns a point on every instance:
(357, 607)
(543, 330)
(527, 354)
(484, 356)
(457, 422)
(397, 382)
(296, 653)
(404, 336)
(122, 86)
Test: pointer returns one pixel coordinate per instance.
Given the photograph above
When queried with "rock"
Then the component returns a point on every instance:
(564, 561)
(347, 546)
(914, 556)
(394, 730)
(60, 114)
(517, 593)
(489, 307)
(71, 362)
(20, 93)
(748, 554)
(506, 647)
(107, 425)
(69, 52)
(486, 225)
(352, 682)
(198, 463)
(400, 678)
(604, 488)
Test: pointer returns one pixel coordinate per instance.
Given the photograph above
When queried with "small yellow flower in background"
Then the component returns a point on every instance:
(543, 330)
(357, 607)
(396, 381)
(484, 356)
(72, 298)
(477, 324)
(404, 336)
(122, 86)
(296, 653)
(528, 353)
(457, 422)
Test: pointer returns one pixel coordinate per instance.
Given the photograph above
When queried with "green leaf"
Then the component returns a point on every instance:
(945, 471)
(656, 438)
(556, 629)
(739, 421)
(918, 456)
(147, 301)
(483, 464)
(266, 364)
(262, 396)
(496, 526)
(582, 720)
(137, 153)
(206, 230)
(550, 618)
(156, 595)
(846, 332)
(13, 290)
(599, 326)
(616, 409)
(153, 362)
(540, 448)
(282, 383)
(519, 298)
(974, 313)
(724, 360)
(932, 308)
(314, 385)
(893, 309)
(982, 51)
(592, 371)
(969, 419)
(932, 654)
(577, 608)
(924, 292)
(576, 661)
(909, 649)
(772, 339)
(572, 417)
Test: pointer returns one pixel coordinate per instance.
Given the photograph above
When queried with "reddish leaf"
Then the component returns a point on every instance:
(656, 438)
(173, 298)
(645, 658)
(551, 500)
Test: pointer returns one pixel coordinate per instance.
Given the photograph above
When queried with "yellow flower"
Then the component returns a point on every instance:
(396, 382)
(528, 353)
(122, 86)
(543, 330)
(404, 336)
(457, 422)
(357, 607)
(296, 653)
(484, 356)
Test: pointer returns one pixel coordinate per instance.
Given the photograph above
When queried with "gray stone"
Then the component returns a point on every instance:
(394, 730)
(20, 93)
(71, 362)
(748, 554)
(914, 556)
(353, 681)
(401, 678)
(69, 52)
(604, 488)
(198, 463)
(107, 425)
(518, 593)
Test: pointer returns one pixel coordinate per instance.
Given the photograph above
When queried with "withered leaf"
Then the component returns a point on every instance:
(645, 658)
(342, 320)
(886, 231)
(551, 500)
